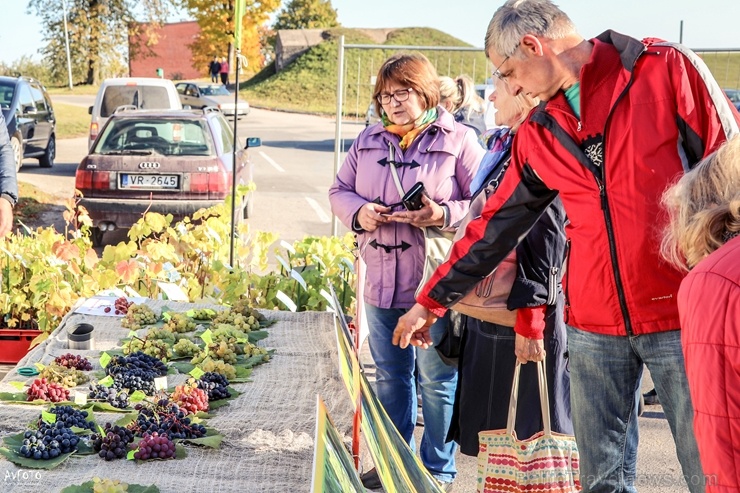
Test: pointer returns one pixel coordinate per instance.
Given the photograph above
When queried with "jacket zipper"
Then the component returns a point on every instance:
(607, 213)
(552, 286)
(567, 283)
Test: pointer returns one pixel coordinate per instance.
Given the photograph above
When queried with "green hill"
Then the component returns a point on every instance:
(308, 84)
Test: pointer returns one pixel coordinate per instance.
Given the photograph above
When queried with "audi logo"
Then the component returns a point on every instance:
(148, 165)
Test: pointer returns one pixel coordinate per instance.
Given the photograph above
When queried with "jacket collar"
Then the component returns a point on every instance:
(629, 48)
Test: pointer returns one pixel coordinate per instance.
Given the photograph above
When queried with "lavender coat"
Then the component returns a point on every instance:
(445, 157)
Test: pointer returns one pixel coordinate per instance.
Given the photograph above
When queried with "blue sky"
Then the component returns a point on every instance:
(707, 23)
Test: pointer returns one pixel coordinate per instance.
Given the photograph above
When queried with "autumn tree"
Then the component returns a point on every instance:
(307, 14)
(216, 21)
(98, 34)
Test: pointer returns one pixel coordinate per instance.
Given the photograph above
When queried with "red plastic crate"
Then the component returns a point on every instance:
(14, 344)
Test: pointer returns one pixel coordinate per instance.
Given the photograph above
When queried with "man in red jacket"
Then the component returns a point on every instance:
(622, 119)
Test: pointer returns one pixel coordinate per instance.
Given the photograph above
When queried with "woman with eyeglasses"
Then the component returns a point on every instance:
(424, 144)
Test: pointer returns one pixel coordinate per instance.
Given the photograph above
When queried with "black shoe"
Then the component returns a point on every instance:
(371, 480)
(651, 398)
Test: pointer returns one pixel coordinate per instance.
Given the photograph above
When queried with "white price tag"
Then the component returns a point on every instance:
(160, 383)
(80, 398)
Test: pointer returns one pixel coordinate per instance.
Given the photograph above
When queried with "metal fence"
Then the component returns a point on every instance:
(724, 64)
(358, 65)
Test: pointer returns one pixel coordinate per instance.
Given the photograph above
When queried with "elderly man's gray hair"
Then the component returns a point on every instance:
(516, 18)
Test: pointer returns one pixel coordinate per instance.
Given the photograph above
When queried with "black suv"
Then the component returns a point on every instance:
(30, 119)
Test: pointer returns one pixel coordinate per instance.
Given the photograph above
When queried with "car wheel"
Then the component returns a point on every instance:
(17, 147)
(47, 160)
(96, 236)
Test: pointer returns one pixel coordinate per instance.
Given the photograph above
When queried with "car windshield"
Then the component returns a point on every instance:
(144, 97)
(214, 90)
(143, 136)
(6, 94)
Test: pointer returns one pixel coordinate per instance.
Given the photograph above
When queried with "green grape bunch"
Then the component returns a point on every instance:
(179, 323)
(161, 334)
(219, 351)
(204, 314)
(218, 366)
(109, 486)
(245, 323)
(243, 306)
(186, 347)
(67, 377)
(156, 348)
(138, 316)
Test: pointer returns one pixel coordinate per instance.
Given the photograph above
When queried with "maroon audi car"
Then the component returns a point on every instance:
(168, 161)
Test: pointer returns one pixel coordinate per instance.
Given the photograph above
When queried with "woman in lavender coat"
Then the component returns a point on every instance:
(428, 146)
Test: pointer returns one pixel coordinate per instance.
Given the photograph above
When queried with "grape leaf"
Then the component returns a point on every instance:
(257, 335)
(19, 460)
(88, 488)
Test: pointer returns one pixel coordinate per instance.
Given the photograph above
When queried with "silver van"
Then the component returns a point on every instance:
(139, 92)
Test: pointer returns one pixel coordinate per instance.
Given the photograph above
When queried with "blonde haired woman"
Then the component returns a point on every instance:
(458, 96)
(702, 236)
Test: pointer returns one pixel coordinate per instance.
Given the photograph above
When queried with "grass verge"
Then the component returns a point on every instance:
(72, 121)
(32, 202)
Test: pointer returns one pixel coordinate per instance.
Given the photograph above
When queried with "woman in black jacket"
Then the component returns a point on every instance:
(487, 358)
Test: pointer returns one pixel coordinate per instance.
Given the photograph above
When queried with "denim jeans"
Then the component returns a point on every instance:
(396, 389)
(605, 374)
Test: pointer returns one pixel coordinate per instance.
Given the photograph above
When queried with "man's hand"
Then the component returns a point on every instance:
(527, 350)
(6, 217)
(413, 328)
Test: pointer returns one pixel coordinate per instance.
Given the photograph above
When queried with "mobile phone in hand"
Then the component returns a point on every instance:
(412, 199)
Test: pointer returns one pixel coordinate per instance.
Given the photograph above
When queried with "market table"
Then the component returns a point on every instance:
(268, 430)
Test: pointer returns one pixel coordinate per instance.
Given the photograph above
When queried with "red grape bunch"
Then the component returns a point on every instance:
(120, 305)
(76, 361)
(48, 391)
(190, 398)
(154, 446)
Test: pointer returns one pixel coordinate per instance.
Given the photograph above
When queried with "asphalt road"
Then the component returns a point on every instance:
(293, 171)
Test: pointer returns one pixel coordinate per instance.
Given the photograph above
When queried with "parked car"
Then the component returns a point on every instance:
(734, 95)
(140, 92)
(29, 116)
(167, 161)
(371, 116)
(200, 95)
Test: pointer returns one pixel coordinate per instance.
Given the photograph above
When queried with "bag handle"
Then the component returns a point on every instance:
(394, 173)
(544, 399)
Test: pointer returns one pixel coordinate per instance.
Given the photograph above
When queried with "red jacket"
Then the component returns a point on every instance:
(709, 304)
(647, 115)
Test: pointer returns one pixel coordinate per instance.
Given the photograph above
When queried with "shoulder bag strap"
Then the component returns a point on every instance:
(394, 172)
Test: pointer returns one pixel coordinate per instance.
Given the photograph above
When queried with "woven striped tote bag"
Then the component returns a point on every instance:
(544, 463)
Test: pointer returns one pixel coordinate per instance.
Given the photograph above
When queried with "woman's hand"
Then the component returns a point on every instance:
(371, 216)
(527, 350)
(429, 215)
